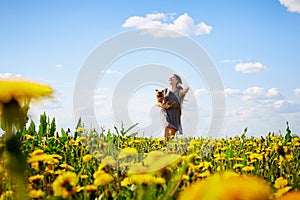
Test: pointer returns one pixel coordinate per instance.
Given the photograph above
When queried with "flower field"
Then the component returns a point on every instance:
(105, 164)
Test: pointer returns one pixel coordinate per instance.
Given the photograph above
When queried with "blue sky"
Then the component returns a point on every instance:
(254, 45)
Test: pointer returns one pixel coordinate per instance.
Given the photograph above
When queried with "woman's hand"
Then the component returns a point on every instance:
(184, 90)
(167, 105)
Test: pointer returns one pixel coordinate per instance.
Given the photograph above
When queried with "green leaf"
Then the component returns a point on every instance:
(52, 128)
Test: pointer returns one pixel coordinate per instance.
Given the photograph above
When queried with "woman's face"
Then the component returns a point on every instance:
(173, 80)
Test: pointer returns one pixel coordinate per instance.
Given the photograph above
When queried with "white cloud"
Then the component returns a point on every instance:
(230, 60)
(250, 67)
(53, 104)
(184, 24)
(285, 106)
(272, 93)
(255, 94)
(232, 92)
(254, 91)
(9, 75)
(297, 91)
(200, 92)
(291, 5)
(109, 71)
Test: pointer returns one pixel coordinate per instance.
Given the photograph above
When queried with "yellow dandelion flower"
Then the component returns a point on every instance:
(52, 162)
(37, 152)
(40, 158)
(256, 156)
(56, 156)
(90, 188)
(282, 191)
(280, 182)
(65, 184)
(15, 97)
(79, 188)
(142, 178)
(59, 172)
(291, 196)
(35, 165)
(220, 156)
(205, 165)
(75, 142)
(185, 177)
(87, 157)
(101, 167)
(239, 159)
(237, 165)
(204, 174)
(102, 179)
(29, 137)
(36, 194)
(126, 182)
(80, 129)
(248, 168)
(84, 176)
(289, 157)
(147, 179)
(127, 152)
(159, 181)
(22, 90)
(36, 178)
(229, 186)
(98, 173)
(49, 171)
(66, 166)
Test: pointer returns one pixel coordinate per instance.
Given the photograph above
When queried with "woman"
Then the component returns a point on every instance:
(171, 116)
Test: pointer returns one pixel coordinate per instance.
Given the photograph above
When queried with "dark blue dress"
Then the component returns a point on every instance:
(171, 117)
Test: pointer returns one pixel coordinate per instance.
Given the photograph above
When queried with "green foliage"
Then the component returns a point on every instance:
(43, 125)
(52, 128)
(125, 132)
(288, 135)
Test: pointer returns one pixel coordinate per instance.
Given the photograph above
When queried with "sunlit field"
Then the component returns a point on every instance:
(40, 162)
(115, 164)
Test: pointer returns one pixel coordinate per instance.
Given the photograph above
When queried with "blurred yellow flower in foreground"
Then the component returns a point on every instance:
(22, 90)
(229, 186)
(15, 97)
(291, 196)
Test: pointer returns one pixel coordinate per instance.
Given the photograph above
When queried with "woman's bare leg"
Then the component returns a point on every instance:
(167, 130)
(172, 132)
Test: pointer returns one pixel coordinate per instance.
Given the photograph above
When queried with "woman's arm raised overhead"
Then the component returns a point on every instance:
(184, 90)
